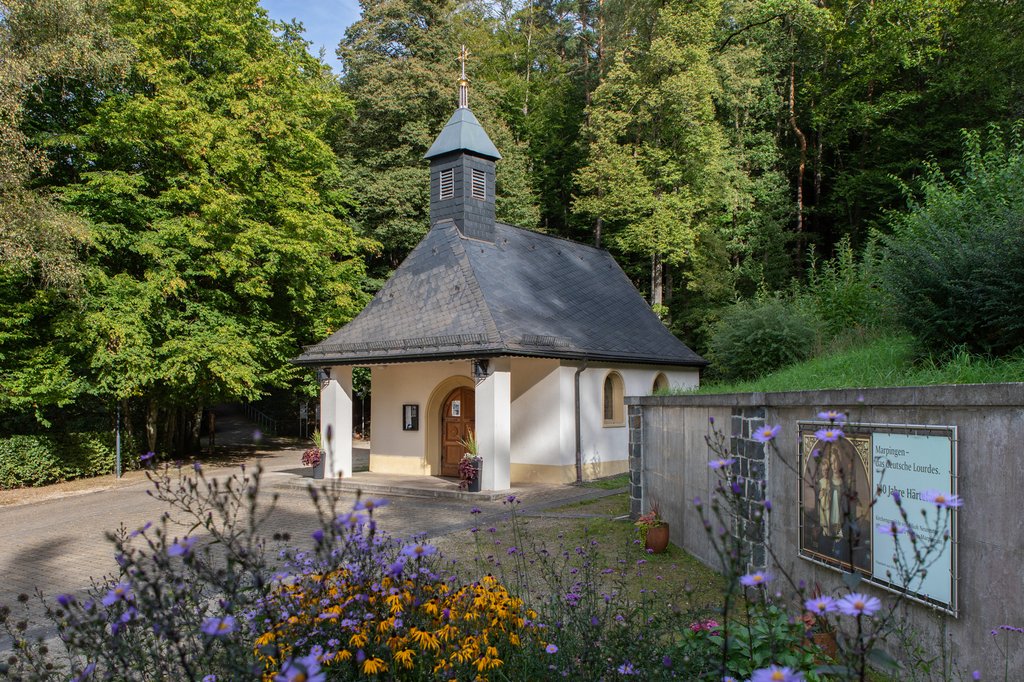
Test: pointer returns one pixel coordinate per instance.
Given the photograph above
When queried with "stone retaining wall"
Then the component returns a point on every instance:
(669, 463)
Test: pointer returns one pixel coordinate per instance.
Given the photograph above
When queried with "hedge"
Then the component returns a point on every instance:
(40, 460)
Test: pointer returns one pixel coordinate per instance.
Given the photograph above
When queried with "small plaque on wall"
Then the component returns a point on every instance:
(410, 417)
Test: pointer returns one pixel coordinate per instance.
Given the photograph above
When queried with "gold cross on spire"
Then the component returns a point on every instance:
(463, 81)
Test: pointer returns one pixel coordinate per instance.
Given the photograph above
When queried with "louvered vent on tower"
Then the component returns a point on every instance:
(479, 184)
(447, 183)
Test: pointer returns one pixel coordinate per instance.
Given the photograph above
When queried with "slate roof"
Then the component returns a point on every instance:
(463, 133)
(524, 294)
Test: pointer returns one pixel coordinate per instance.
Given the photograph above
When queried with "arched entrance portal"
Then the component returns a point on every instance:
(458, 423)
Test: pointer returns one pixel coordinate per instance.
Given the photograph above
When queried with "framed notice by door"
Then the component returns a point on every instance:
(456, 408)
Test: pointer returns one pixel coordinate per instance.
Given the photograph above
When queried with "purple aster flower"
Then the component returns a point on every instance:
(941, 499)
(627, 669)
(352, 519)
(551, 649)
(418, 551)
(197, 467)
(976, 675)
(181, 547)
(666, 661)
(475, 510)
(65, 600)
(896, 496)
(829, 435)
(119, 592)
(820, 605)
(766, 433)
(146, 457)
(856, 604)
(891, 528)
(697, 502)
(775, 673)
(834, 416)
(755, 579)
(721, 463)
(305, 669)
(218, 627)
(210, 678)
(370, 505)
(318, 535)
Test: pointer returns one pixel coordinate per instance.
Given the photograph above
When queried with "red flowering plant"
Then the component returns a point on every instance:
(312, 456)
(469, 465)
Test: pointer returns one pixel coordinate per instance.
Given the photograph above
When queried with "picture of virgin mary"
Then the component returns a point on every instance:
(835, 499)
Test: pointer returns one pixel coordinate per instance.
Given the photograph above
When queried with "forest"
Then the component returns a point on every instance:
(188, 196)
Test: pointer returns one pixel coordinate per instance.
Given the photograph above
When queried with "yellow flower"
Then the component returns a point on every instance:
(425, 640)
(358, 640)
(405, 658)
(372, 666)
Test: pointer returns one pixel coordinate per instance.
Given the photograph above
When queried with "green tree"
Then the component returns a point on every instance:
(954, 263)
(657, 158)
(399, 68)
(218, 212)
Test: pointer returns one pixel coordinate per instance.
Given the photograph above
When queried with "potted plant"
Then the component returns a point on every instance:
(819, 629)
(469, 465)
(653, 530)
(314, 456)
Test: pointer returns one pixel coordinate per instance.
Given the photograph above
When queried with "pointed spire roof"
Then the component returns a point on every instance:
(463, 132)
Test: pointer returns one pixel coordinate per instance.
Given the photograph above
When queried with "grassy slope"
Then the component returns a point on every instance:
(888, 361)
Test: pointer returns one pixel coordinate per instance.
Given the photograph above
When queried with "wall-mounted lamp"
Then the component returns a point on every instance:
(480, 369)
(323, 374)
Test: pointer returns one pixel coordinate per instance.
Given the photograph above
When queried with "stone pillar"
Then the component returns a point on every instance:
(336, 422)
(494, 425)
(636, 459)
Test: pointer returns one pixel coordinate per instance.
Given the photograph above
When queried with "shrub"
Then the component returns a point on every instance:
(845, 292)
(757, 337)
(955, 262)
(42, 459)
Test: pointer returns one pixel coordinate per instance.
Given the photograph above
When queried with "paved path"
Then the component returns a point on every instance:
(58, 544)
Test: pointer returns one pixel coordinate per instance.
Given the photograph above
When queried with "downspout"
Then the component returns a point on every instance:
(579, 447)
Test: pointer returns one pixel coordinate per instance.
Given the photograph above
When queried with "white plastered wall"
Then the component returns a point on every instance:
(605, 448)
(393, 450)
(543, 436)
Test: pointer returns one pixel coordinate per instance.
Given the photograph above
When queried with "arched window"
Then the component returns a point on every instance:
(613, 400)
(660, 383)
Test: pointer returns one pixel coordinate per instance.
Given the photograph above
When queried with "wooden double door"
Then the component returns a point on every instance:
(458, 423)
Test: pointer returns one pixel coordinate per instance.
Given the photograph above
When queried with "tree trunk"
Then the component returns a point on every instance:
(195, 445)
(803, 154)
(657, 280)
(152, 412)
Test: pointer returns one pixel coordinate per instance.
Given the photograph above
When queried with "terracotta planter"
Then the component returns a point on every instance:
(826, 641)
(657, 538)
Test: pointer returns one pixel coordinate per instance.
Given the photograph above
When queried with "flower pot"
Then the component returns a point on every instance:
(318, 470)
(473, 486)
(657, 538)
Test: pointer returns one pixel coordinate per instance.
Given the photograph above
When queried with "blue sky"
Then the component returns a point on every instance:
(325, 21)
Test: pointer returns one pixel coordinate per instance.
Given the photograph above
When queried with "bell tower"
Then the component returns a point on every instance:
(462, 176)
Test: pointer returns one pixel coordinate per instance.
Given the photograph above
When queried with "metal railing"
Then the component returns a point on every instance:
(267, 425)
